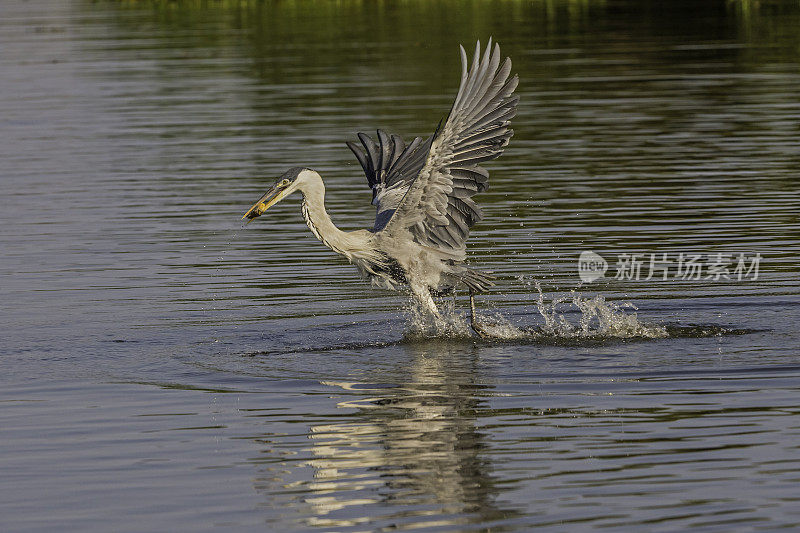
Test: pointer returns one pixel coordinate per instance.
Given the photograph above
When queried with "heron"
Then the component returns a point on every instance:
(422, 191)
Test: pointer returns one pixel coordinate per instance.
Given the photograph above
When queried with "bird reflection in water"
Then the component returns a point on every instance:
(409, 450)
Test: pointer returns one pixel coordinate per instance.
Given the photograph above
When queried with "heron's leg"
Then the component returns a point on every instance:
(477, 328)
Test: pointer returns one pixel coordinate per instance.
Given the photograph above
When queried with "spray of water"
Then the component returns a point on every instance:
(450, 324)
(567, 317)
(598, 318)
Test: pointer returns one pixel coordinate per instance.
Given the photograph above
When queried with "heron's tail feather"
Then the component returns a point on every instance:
(477, 281)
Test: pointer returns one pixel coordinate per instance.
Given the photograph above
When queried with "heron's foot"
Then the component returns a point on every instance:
(476, 327)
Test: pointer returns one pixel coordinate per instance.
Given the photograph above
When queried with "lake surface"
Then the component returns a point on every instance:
(164, 369)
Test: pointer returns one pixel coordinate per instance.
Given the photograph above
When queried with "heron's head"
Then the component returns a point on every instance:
(291, 180)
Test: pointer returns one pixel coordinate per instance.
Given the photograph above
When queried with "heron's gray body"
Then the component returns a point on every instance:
(422, 191)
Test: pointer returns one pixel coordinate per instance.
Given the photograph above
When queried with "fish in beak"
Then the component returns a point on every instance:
(275, 194)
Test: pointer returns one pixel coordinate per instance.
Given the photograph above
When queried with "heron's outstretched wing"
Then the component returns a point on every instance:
(391, 167)
(438, 208)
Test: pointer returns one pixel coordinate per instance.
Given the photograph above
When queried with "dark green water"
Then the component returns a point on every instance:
(163, 369)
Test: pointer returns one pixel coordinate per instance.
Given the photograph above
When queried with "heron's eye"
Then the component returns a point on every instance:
(285, 183)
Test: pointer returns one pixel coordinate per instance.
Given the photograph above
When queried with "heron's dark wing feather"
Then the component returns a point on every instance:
(391, 167)
(438, 208)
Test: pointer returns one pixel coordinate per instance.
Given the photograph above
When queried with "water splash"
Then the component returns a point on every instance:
(451, 324)
(597, 319)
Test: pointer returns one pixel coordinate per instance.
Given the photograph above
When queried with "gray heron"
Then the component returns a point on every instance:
(422, 191)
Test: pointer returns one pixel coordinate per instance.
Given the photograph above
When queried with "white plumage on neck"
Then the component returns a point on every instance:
(317, 218)
(348, 244)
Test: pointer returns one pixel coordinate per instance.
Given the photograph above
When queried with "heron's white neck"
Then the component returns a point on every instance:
(318, 220)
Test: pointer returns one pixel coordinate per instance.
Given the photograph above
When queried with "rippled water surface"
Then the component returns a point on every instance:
(164, 369)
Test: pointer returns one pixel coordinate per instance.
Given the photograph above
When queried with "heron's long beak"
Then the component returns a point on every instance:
(270, 198)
